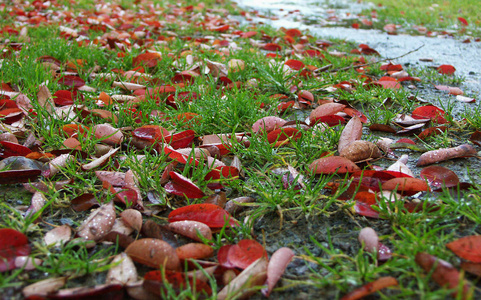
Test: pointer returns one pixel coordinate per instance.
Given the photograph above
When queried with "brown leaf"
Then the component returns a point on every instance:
(443, 273)
(99, 161)
(241, 286)
(435, 156)
(194, 251)
(406, 185)
(58, 236)
(333, 164)
(360, 150)
(132, 218)
(351, 132)
(154, 253)
(370, 288)
(44, 287)
(276, 267)
(99, 223)
(123, 270)
(468, 247)
(191, 229)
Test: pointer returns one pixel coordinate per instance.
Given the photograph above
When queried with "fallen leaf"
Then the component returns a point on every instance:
(468, 247)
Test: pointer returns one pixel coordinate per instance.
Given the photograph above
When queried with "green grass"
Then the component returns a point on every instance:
(333, 269)
(434, 15)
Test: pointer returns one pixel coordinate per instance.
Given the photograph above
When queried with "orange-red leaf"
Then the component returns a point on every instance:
(446, 69)
(210, 214)
(468, 247)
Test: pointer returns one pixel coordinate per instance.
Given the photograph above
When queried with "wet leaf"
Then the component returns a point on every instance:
(430, 112)
(154, 282)
(44, 287)
(371, 287)
(132, 218)
(245, 252)
(8, 149)
(58, 236)
(435, 156)
(276, 267)
(191, 229)
(443, 273)
(99, 223)
(123, 270)
(194, 251)
(12, 244)
(148, 59)
(71, 81)
(268, 124)
(439, 176)
(333, 164)
(209, 214)
(368, 237)
(154, 253)
(84, 202)
(446, 69)
(406, 185)
(254, 275)
(468, 247)
(182, 186)
(108, 134)
(360, 150)
(327, 109)
(351, 132)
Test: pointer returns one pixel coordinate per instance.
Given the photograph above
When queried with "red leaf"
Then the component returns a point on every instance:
(330, 120)
(294, 32)
(439, 176)
(181, 139)
(446, 69)
(72, 81)
(429, 112)
(468, 247)
(463, 21)
(370, 288)
(177, 156)
(333, 164)
(8, 149)
(155, 282)
(182, 186)
(272, 47)
(19, 176)
(282, 135)
(355, 113)
(406, 185)
(84, 202)
(222, 256)
(443, 273)
(245, 253)
(210, 214)
(365, 210)
(294, 64)
(12, 244)
(148, 59)
(389, 83)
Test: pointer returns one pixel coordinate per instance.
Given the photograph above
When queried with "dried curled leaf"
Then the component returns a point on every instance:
(360, 150)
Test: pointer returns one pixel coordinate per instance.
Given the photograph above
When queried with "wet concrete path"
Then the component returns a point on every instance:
(465, 57)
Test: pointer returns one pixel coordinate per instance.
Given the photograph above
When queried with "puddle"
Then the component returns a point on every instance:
(443, 50)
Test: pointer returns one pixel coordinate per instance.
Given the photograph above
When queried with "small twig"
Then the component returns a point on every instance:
(372, 63)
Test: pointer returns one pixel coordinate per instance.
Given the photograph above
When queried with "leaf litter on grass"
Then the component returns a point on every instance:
(129, 113)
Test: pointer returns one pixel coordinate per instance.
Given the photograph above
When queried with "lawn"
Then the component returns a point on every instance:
(164, 150)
